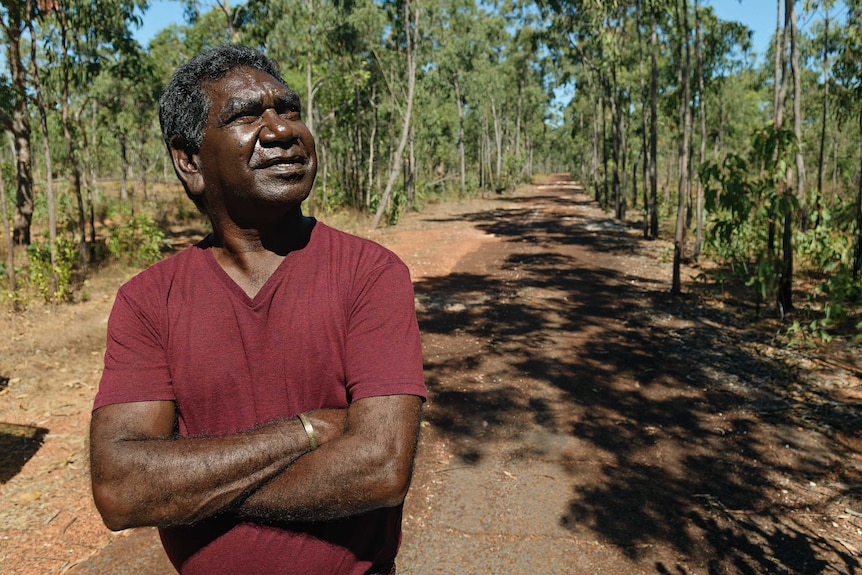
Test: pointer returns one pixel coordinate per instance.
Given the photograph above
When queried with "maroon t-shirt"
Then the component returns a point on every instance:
(335, 323)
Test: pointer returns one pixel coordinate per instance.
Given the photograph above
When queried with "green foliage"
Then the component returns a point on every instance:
(809, 334)
(42, 273)
(828, 251)
(137, 241)
(747, 201)
(746, 198)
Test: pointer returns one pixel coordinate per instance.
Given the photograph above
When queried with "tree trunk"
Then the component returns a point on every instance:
(49, 176)
(143, 164)
(228, 14)
(71, 149)
(780, 84)
(371, 138)
(19, 125)
(124, 168)
(820, 157)
(325, 182)
(481, 148)
(645, 155)
(622, 204)
(797, 113)
(498, 147)
(411, 23)
(603, 145)
(779, 91)
(461, 153)
(699, 199)
(411, 169)
(518, 117)
(616, 135)
(653, 127)
(785, 284)
(685, 121)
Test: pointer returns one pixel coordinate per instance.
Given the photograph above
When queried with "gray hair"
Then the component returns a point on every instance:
(184, 106)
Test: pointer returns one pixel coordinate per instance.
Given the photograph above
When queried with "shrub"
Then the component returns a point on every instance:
(41, 272)
(137, 241)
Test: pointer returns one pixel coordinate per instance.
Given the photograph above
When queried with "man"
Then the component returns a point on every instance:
(261, 396)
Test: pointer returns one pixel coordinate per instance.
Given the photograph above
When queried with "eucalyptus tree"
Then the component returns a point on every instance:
(220, 15)
(492, 102)
(536, 92)
(701, 113)
(649, 112)
(15, 114)
(534, 71)
(684, 78)
(409, 18)
(826, 42)
(788, 34)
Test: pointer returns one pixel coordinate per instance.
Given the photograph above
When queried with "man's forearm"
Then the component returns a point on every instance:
(368, 467)
(164, 481)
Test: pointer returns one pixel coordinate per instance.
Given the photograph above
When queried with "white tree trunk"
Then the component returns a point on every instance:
(411, 23)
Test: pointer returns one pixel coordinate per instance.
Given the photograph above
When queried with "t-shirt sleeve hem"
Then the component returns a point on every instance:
(112, 399)
(404, 388)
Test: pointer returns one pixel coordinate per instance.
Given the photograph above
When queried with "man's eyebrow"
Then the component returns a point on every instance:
(235, 106)
(288, 99)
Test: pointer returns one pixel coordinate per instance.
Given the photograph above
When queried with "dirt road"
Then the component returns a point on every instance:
(581, 421)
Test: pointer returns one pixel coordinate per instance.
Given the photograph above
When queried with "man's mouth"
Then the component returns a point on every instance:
(286, 163)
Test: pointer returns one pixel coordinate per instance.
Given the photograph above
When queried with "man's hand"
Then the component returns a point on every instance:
(328, 424)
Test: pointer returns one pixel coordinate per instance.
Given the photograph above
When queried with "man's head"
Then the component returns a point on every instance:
(235, 133)
(184, 105)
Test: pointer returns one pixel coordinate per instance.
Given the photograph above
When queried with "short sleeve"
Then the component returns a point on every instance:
(383, 346)
(136, 367)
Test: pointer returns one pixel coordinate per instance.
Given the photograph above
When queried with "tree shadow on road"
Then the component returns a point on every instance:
(18, 444)
(691, 438)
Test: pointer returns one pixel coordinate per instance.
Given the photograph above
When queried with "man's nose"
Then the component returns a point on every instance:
(276, 127)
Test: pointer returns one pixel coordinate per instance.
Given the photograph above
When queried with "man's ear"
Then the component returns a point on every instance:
(187, 165)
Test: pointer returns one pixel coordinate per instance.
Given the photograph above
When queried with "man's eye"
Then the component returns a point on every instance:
(245, 118)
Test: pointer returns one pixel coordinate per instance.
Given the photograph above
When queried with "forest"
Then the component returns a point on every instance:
(658, 107)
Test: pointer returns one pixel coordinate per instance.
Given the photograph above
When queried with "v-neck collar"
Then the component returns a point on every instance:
(271, 283)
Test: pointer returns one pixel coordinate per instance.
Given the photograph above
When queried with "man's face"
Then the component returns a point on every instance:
(256, 150)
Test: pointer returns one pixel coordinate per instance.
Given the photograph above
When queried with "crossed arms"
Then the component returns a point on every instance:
(144, 475)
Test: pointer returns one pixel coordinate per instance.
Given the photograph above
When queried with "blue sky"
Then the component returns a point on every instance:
(162, 13)
(759, 15)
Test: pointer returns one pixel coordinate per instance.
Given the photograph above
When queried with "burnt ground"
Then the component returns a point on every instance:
(580, 419)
